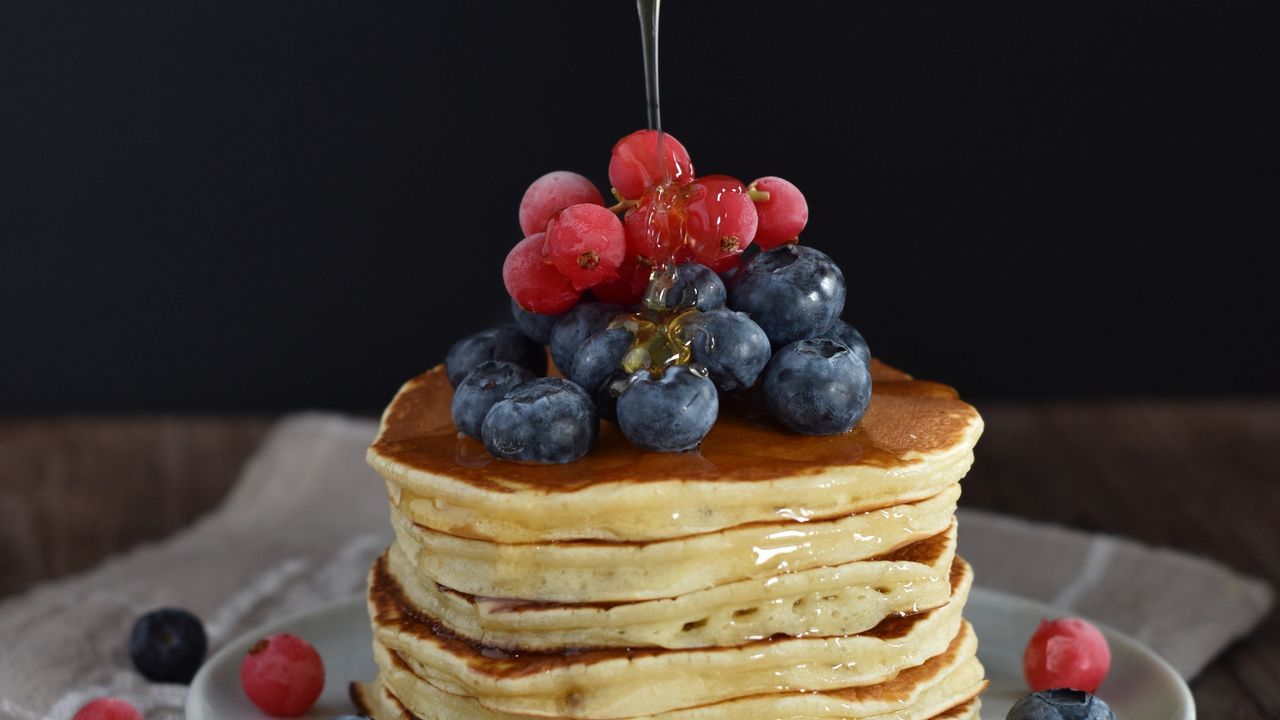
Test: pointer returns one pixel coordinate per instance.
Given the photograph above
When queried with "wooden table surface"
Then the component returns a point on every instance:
(1200, 476)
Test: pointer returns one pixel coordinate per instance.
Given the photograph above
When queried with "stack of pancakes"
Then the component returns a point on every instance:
(770, 575)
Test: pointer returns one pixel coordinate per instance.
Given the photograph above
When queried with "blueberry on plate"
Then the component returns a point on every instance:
(845, 334)
(696, 286)
(546, 420)
(730, 345)
(1060, 704)
(598, 364)
(793, 292)
(671, 413)
(535, 326)
(504, 342)
(574, 327)
(481, 389)
(817, 387)
(168, 645)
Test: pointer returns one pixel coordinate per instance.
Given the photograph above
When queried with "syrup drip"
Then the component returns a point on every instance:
(648, 10)
(658, 341)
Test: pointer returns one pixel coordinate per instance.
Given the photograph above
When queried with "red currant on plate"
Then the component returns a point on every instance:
(283, 675)
(108, 708)
(1066, 653)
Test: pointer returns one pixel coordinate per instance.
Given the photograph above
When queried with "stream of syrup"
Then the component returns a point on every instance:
(648, 10)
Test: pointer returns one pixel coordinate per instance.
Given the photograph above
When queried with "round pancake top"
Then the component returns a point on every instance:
(906, 419)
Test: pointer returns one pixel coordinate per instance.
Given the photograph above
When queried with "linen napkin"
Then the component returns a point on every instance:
(307, 517)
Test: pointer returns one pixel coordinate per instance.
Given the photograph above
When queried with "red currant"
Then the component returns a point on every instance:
(533, 282)
(552, 193)
(586, 243)
(783, 216)
(720, 219)
(1066, 653)
(655, 226)
(628, 289)
(283, 675)
(637, 164)
(108, 708)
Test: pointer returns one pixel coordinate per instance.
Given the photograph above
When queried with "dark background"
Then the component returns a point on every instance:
(255, 205)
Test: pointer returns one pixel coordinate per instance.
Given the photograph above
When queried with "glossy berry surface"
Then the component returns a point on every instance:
(1060, 704)
(793, 292)
(817, 387)
(654, 227)
(1066, 653)
(586, 243)
(547, 420)
(534, 282)
(282, 674)
(696, 286)
(535, 326)
(168, 645)
(845, 334)
(575, 327)
(783, 216)
(108, 708)
(505, 343)
(552, 193)
(635, 164)
(481, 390)
(719, 219)
(732, 348)
(669, 414)
(598, 364)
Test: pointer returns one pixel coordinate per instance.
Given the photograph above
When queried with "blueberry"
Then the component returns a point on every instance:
(729, 345)
(793, 292)
(535, 326)
(484, 386)
(1060, 705)
(546, 420)
(575, 326)
(168, 645)
(504, 342)
(598, 363)
(696, 286)
(817, 387)
(670, 414)
(845, 334)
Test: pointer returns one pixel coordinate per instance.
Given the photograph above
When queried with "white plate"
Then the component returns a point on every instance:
(1141, 685)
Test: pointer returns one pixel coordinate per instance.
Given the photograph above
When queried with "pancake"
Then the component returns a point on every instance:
(372, 700)
(615, 682)
(823, 601)
(966, 711)
(944, 687)
(915, 440)
(596, 571)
